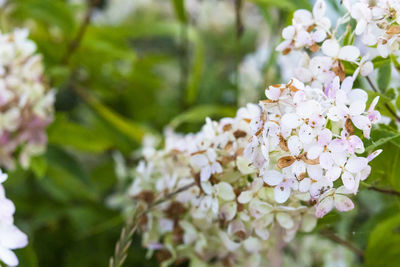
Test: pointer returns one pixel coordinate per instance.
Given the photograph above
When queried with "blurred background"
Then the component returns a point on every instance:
(124, 69)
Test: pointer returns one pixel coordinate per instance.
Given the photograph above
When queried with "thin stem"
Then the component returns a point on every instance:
(76, 41)
(391, 111)
(383, 190)
(337, 239)
(125, 240)
(239, 33)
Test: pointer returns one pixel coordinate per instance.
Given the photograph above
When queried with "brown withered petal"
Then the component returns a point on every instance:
(146, 196)
(283, 143)
(310, 28)
(239, 152)
(394, 29)
(178, 234)
(239, 134)
(301, 176)
(314, 48)
(309, 161)
(228, 146)
(163, 255)
(348, 125)
(227, 127)
(286, 51)
(340, 70)
(241, 234)
(285, 161)
(226, 160)
(198, 152)
(175, 210)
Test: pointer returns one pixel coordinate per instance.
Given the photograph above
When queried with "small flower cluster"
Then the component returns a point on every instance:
(322, 53)
(26, 104)
(377, 23)
(10, 236)
(230, 214)
(304, 140)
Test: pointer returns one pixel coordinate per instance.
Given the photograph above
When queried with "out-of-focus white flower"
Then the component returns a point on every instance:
(10, 236)
(25, 101)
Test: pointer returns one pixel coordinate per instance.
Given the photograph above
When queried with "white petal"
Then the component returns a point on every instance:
(199, 160)
(324, 207)
(288, 32)
(348, 180)
(205, 173)
(225, 191)
(8, 257)
(295, 145)
(357, 95)
(273, 177)
(356, 164)
(290, 120)
(367, 68)
(357, 107)
(304, 185)
(361, 122)
(349, 53)
(308, 224)
(330, 48)
(285, 220)
(333, 174)
(245, 197)
(314, 152)
(343, 203)
(281, 193)
(228, 211)
(273, 93)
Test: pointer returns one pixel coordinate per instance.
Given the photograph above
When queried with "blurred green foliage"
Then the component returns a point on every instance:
(123, 80)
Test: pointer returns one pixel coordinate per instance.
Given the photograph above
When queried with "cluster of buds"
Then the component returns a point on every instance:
(10, 236)
(257, 178)
(377, 23)
(26, 104)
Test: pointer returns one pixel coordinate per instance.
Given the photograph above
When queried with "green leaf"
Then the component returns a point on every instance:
(380, 137)
(39, 166)
(283, 4)
(179, 7)
(380, 61)
(199, 113)
(383, 245)
(384, 76)
(131, 129)
(66, 133)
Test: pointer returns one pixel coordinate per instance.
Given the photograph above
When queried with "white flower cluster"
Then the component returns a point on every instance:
(10, 236)
(26, 104)
(322, 57)
(304, 140)
(378, 22)
(230, 215)
(258, 176)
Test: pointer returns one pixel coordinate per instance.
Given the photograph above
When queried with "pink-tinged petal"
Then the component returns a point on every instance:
(330, 48)
(374, 116)
(374, 154)
(357, 107)
(356, 164)
(333, 174)
(272, 177)
(324, 207)
(290, 120)
(324, 137)
(355, 144)
(304, 185)
(314, 152)
(348, 180)
(337, 146)
(361, 122)
(349, 53)
(373, 104)
(303, 38)
(273, 93)
(281, 193)
(343, 203)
